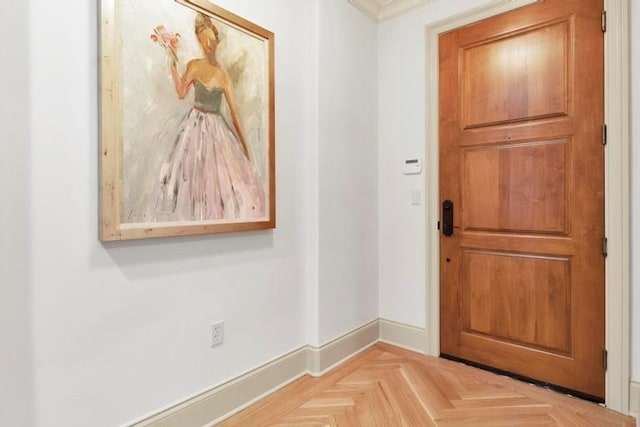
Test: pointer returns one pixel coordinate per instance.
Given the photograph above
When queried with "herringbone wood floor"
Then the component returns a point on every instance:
(387, 386)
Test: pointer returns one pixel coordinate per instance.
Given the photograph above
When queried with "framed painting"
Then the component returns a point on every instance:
(187, 120)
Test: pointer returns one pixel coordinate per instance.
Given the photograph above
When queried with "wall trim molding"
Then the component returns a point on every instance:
(322, 359)
(225, 400)
(634, 401)
(232, 396)
(617, 207)
(616, 186)
(404, 336)
(220, 402)
(379, 10)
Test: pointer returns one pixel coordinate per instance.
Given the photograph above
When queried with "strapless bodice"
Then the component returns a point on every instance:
(209, 100)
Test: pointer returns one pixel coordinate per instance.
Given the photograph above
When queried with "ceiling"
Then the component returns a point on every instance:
(379, 10)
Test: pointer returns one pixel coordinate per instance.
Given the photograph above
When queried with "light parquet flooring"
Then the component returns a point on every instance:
(387, 386)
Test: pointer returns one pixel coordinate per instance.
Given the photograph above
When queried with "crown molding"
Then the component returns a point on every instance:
(379, 10)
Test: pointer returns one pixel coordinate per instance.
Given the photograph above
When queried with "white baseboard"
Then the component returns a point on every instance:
(634, 401)
(223, 401)
(230, 397)
(405, 336)
(323, 359)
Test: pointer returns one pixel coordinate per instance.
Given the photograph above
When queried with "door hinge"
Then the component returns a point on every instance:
(605, 244)
(604, 134)
(604, 21)
(438, 225)
(605, 359)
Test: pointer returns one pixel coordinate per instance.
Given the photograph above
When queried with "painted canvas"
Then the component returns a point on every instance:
(187, 120)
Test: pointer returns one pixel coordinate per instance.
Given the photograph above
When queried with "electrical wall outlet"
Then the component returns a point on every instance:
(217, 333)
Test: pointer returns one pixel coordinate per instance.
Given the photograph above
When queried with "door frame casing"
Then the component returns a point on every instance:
(617, 210)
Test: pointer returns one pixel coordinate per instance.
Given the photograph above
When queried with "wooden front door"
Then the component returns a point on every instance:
(522, 163)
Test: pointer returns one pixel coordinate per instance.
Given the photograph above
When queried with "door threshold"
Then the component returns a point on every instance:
(553, 387)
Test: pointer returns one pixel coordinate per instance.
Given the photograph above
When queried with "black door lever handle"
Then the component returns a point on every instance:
(447, 218)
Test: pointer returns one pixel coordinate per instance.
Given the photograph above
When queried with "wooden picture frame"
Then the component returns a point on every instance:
(187, 121)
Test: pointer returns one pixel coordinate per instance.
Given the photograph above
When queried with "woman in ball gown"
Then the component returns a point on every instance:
(208, 174)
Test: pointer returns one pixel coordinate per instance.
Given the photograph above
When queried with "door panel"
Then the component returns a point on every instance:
(529, 198)
(518, 298)
(515, 77)
(521, 113)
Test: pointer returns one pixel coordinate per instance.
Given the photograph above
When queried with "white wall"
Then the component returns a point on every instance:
(122, 330)
(635, 189)
(311, 165)
(402, 117)
(16, 378)
(348, 291)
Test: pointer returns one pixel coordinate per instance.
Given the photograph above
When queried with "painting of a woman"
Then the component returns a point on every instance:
(208, 173)
(187, 121)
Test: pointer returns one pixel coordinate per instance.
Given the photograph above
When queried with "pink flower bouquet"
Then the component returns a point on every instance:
(169, 41)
